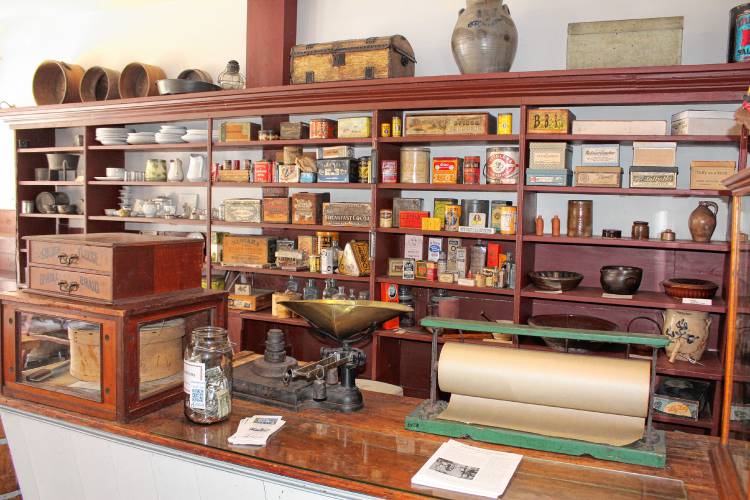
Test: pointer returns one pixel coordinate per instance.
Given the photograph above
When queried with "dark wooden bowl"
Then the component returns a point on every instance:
(575, 322)
(555, 280)
(688, 288)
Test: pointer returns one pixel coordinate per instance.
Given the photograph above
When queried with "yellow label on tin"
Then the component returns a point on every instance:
(504, 124)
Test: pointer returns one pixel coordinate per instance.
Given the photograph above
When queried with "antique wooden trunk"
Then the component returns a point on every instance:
(361, 59)
(111, 267)
(109, 361)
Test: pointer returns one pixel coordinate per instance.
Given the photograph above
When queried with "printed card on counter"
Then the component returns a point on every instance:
(467, 469)
(256, 430)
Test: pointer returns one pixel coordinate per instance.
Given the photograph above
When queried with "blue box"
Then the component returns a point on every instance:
(548, 177)
(308, 176)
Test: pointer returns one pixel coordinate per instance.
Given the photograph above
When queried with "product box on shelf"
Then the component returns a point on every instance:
(600, 155)
(438, 208)
(654, 154)
(447, 170)
(389, 293)
(681, 397)
(243, 210)
(294, 130)
(322, 128)
(550, 155)
(598, 177)
(549, 121)
(432, 224)
(263, 171)
(620, 127)
(548, 177)
(307, 244)
(654, 177)
(396, 267)
(404, 204)
(288, 173)
(329, 152)
(307, 208)
(217, 240)
(389, 171)
(356, 259)
(709, 174)
(256, 300)
(449, 124)
(693, 122)
(234, 176)
(411, 219)
(248, 250)
(238, 131)
(354, 214)
(357, 127)
(338, 170)
(276, 210)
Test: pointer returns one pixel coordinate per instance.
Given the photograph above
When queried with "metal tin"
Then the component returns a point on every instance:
(385, 129)
(354, 127)
(342, 170)
(548, 177)
(389, 171)
(396, 126)
(447, 170)
(452, 217)
(328, 152)
(327, 256)
(363, 170)
(640, 230)
(386, 218)
(668, 235)
(314, 262)
(739, 34)
(496, 212)
(611, 233)
(473, 206)
(415, 165)
(322, 128)
(263, 171)
(242, 210)
(508, 219)
(267, 135)
(326, 239)
(27, 206)
(472, 173)
(438, 208)
(504, 124)
(502, 165)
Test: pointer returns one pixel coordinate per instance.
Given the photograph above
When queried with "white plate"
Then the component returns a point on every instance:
(108, 178)
(106, 142)
(117, 130)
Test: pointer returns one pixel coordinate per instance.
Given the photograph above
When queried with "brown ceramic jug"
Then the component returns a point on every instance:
(702, 221)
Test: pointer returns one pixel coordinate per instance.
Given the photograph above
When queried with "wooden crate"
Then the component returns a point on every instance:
(248, 250)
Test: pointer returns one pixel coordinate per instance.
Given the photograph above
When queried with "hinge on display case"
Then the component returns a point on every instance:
(372, 245)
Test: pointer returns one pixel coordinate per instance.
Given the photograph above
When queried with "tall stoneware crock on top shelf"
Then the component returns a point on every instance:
(485, 37)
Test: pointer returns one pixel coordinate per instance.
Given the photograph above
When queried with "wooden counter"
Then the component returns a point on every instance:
(369, 452)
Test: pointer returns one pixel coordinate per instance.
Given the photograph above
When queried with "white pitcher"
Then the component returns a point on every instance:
(174, 173)
(197, 169)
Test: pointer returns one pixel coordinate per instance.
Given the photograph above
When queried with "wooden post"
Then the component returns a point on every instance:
(271, 34)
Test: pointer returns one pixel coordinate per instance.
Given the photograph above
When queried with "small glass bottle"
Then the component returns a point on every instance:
(336, 255)
(330, 290)
(478, 257)
(510, 277)
(292, 285)
(231, 78)
(442, 265)
(352, 294)
(341, 294)
(207, 380)
(439, 294)
(310, 292)
(364, 295)
(405, 297)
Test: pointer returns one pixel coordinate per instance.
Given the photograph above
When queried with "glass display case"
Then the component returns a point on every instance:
(115, 362)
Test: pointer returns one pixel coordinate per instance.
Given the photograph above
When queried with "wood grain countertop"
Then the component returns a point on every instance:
(370, 452)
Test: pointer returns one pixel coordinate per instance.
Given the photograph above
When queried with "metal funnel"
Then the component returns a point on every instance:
(344, 318)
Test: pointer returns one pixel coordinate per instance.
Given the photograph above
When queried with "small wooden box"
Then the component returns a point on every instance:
(709, 174)
(112, 267)
(238, 131)
(653, 177)
(248, 250)
(449, 124)
(242, 210)
(255, 301)
(598, 177)
(307, 208)
(234, 176)
(347, 214)
(356, 127)
(550, 155)
(294, 130)
(549, 121)
(276, 210)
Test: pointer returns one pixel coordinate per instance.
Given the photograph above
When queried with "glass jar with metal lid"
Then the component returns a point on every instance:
(207, 368)
(415, 165)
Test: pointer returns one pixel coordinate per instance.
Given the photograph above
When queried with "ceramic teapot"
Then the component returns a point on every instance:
(148, 208)
(174, 173)
(197, 168)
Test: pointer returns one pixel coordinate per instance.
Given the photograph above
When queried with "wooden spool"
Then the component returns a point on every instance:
(100, 84)
(139, 80)
(57, 82)
(160, 351)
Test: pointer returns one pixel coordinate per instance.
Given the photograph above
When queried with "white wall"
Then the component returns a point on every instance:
(179, 34)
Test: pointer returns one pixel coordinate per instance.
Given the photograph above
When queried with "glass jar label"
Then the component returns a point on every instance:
(193, 372)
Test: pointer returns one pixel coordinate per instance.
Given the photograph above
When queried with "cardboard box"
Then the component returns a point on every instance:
(709, 174)
(598, 177)
(248, 250)
(389, 293)
(550, 155)
(449, 124)
(307, 244)
(330, 152)
(600, 155)
(307, 208)
(547, 177)
(242, 210)
(256, 300)
(438, 208)
(431, 224)
(337, 170)
(447, 170)
(294, 130)
(276, 210)
(395, 267)
(347, 214)
(681, 397)
(620, 127)
(400, 204)
(355, 127)
(692, 122)
(412, 218)
(549, 121)
(654, 154)
(654, 177)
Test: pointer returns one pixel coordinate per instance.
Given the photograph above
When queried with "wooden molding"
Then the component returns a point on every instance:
(271, 33)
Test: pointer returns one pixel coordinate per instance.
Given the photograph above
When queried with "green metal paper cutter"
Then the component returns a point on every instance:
(649, 451)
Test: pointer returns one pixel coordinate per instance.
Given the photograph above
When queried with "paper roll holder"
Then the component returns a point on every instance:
(649, 451)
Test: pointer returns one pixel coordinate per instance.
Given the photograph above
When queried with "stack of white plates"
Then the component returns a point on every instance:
(198, 135)
(126, 197)
(113, 136)
(170, 134)
(142, 138)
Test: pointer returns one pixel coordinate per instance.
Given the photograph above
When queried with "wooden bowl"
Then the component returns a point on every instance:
(139, 80)
(555, 280)
(688, 288)
(57, 82)
(576, 322)
(100, 84)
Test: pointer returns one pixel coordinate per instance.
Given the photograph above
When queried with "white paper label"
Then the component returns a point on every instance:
(700, 302)
(192, 372)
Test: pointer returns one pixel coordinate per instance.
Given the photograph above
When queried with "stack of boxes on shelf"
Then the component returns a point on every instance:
(549, 164)
(600, 166)
(654, 165)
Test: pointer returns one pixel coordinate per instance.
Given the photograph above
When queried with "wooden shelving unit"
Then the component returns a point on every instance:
(383, 99)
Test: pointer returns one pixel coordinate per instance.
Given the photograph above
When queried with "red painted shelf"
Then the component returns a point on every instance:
(303, 185)
(446, 286)
(270, 318)
(50, 183)
(292, 142)
(178, 146)
(283, 272)
(702, 422)
(676, 193)
(708, 368)
(592, 295)
(714, 246)
(577, 138)
(451, 187)
(303, 227)
(444, 140)
(147, 183)
(150, 220)
(52, 149)
(446, 234)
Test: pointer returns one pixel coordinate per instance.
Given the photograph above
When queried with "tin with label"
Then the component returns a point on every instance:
(739, 34)
(502, 165)
(363, 170)
(389, 171)
(504, 124)
(326, 260)
(472, 173)
(508, 218)
(396, 126)
(385, 130)
(386, 217)
(314, 263)
(452, 217)
(446, 170)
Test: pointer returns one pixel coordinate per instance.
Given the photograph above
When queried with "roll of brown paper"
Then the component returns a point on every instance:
(597, 399)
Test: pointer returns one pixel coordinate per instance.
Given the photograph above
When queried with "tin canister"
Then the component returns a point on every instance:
(508, 218)
(438, 208)
(363, 170)
(472, 173)
(326, 260)
(452, 217)
(326, 239)
(386, 217)
(415, 165)
(389, 171)
(27, 206)
(396, 126)
(739, 34)
(314, 263)
(496, 207)
(385, 129)
(504, 124)
(473, 206)
(502, 165)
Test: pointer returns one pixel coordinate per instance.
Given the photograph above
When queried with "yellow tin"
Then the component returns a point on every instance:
(385, 130)
(396, 126)
(508, 218)
(504, 124)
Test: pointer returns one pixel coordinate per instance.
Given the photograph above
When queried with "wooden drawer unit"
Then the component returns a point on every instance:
(110, 267)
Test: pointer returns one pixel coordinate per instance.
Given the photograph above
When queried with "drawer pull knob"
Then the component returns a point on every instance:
(66, 259)
(66, 287)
